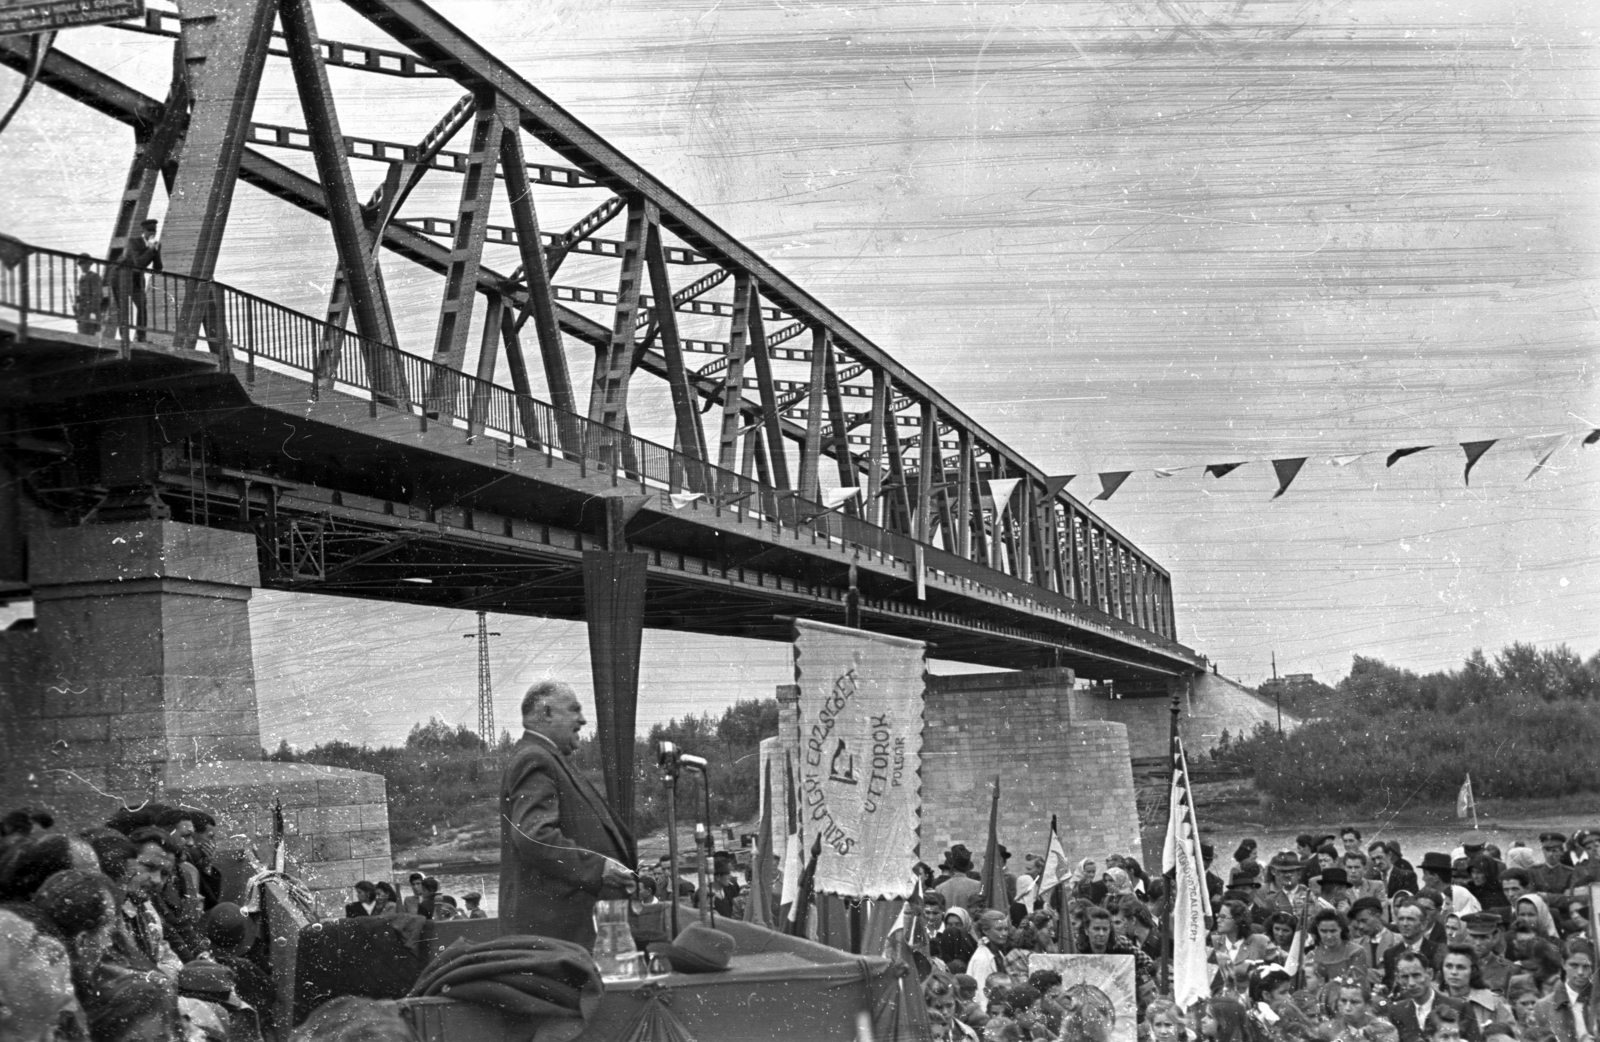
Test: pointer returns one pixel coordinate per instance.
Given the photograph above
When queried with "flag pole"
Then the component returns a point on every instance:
(1474, 803)
(1168, 947)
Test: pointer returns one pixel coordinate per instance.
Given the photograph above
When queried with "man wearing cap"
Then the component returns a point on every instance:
(471, 898)
(127, 282)
(1484, 929)
(1438, 871)
(1554, 877)
(561, 849)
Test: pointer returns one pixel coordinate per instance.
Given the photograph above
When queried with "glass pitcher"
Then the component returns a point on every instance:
(614, 950)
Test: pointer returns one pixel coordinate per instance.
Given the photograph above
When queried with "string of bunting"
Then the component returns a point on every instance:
(1541, 446)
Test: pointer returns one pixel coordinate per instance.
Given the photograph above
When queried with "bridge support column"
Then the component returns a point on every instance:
(613, 591)
(137, 682)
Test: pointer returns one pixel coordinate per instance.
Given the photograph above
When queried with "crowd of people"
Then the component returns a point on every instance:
(1337, 940)
(381, 898)
(117, 933)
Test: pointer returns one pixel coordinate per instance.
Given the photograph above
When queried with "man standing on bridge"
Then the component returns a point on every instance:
(561, 850)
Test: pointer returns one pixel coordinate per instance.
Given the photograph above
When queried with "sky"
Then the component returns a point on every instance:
(1119, 236)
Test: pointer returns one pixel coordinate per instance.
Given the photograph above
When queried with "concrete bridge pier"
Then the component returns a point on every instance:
(137, 683)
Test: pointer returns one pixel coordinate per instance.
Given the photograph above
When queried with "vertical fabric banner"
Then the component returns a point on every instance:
(859, 769)
(1191, 977)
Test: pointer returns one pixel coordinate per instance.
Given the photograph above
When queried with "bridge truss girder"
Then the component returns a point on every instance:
(938, 495)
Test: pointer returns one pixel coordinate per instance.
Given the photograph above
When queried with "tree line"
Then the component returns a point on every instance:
(1525, 725)
(446, 777)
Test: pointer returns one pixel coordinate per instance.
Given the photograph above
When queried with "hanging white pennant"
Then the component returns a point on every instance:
(837, 497)
(1001, 489)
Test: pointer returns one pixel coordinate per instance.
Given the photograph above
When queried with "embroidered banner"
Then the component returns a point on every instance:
(859, 769)
(1102, 1002)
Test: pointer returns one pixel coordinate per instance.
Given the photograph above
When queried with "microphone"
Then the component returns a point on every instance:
(696, 762)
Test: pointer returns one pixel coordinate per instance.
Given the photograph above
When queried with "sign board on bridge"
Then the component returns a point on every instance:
(41, 16)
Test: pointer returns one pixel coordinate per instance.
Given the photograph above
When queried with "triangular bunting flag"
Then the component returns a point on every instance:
(838, 497)
(1593, 437)
(1400, 454)
(1218, 470)
(1110, 481)
(1053, 486)
(1001, 489)
(1555, 443)
(1474, 451)
(1345, 461)
(1286, 470)
(1166, 473)
(683, 499)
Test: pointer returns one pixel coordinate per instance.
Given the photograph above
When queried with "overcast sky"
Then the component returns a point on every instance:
(1120, 236)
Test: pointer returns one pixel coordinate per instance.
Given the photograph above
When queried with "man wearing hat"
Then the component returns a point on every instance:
(127, 282)
(960, 890)
(1484, 929)
(561, 849)
(1335, 887)
(1291, 895)
(1438, 871)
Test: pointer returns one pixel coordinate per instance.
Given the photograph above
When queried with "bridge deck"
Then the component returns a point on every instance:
(353, 497)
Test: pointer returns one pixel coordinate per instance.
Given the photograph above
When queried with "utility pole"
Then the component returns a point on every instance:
(485, 688)
(1277, 692)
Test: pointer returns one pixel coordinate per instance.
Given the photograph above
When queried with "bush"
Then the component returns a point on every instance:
(1524, 726)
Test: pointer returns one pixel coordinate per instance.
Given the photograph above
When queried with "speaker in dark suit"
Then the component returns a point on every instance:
(561, 848)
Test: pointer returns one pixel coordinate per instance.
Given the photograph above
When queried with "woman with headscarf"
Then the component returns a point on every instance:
(955, 941)
(1532, 911)
(1484, 882)
(1118, 886)
(1086, 885)
(1525, 858)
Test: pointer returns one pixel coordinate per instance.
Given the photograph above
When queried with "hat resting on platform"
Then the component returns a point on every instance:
(698, 949)
(1335, 877)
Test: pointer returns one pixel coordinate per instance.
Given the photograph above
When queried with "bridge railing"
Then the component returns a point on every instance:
(124, 304)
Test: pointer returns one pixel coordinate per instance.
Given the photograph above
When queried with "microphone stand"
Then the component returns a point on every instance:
(667, 760)
(703, 837)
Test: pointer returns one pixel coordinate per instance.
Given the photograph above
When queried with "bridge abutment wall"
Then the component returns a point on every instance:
(1020, 726)
(137, 682)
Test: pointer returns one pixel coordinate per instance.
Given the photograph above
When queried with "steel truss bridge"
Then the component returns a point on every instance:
(370, 471)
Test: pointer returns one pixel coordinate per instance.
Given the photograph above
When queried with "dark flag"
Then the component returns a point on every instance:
(1218, 470)
(1474, 451)
(994, 874)
(1110, 481)
(1286, 469)
(800, 914)
(1400, 454)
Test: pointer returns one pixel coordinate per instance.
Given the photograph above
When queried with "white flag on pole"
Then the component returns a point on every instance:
(1191, 979)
